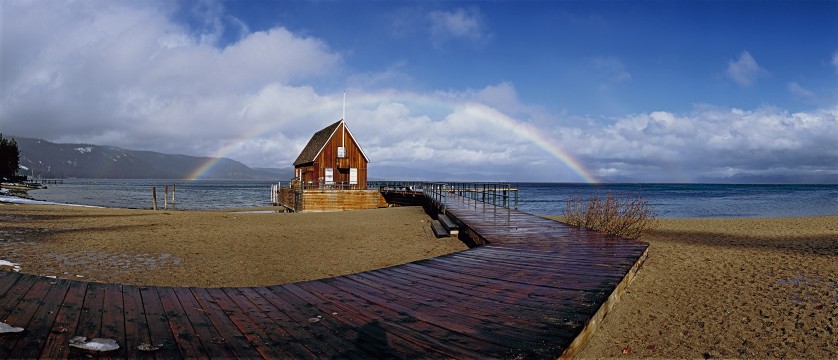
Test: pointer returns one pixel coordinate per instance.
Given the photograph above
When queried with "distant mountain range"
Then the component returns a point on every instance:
(51, 160)
(60, 161)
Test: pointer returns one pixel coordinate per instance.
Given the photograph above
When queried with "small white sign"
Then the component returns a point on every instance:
(353, 176)
(330, 176)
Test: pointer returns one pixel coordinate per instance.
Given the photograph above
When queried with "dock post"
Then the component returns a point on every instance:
(154, 197)
(173, 195)
(166, 197)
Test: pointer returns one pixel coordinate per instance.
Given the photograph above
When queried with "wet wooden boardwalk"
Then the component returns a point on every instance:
(535, 290)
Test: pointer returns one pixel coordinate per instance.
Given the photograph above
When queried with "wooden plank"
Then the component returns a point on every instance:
(255, 337)
(113, 319)
(365, 331)
(22, 313)
(160, 334)
(136, 325)
(188, 344)
(285, 324)
(39, 328)
(522, 319)
(499, 303)
(397, 334)
(531, 277)
(576, 272)
(212, 341)
(577, 268)
(498, 343)
(331, 331)
(90, 319)
(66, 322)
(485, 329)
(7, 280)
(275, 334)
(229, 334)
(15, 292)
(438, 229)
(502, 291)
(449, 224)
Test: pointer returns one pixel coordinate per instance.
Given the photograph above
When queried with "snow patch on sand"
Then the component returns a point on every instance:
(17, 200)
(15, 267)
(95, 344)
(6, 328)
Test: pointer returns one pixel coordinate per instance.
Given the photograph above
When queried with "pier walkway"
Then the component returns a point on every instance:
(536, 288)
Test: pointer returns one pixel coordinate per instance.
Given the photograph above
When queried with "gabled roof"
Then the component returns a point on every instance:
(318, 142)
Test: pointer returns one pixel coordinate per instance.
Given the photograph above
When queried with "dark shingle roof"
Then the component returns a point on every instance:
(318, 140)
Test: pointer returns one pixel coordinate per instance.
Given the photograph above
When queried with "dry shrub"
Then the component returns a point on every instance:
(624, 216)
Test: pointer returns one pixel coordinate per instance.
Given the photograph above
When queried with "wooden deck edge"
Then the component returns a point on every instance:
(585, 335)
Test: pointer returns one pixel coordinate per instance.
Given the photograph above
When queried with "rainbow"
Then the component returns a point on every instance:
(536, 136)
(428, 103)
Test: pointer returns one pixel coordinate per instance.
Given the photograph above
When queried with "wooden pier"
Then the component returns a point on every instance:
(536, 288)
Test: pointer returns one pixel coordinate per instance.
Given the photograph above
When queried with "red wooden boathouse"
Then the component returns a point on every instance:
(332, 158)
(330, 174)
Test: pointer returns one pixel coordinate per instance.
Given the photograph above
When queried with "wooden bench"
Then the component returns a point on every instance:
(438, 229)
(449, 225)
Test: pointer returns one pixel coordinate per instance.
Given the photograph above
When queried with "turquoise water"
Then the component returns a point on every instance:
(667, 200)
(136, 194)
(695, 200)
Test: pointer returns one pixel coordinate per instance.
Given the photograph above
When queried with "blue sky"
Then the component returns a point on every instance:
(602, 58)
(676, 91)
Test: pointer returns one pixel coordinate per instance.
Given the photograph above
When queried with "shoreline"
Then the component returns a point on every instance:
(670, 200)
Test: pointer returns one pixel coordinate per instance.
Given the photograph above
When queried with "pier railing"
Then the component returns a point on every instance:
(414, 186)
(498, 194)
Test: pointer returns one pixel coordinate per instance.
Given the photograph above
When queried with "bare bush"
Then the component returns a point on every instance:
(624, 216)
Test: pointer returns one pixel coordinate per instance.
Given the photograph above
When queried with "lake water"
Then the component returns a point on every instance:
(667, 200)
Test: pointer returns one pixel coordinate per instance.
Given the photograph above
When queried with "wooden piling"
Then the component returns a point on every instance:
(166, 197)
(173, 195)
(154, 197)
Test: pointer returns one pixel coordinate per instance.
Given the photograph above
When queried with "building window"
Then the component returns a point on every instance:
(341, 152)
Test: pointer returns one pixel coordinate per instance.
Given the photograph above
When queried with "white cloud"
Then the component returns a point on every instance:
(610, 71)
(461, 23)
(799, 91)
(744, 70)
(710, 141)
(129, 75)
(835, 61)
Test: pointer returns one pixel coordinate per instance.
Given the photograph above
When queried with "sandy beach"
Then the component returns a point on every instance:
(710, 288)
(730, 288)
(211, 248)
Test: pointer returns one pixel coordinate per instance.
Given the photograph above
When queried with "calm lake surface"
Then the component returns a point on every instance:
(667, 200)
